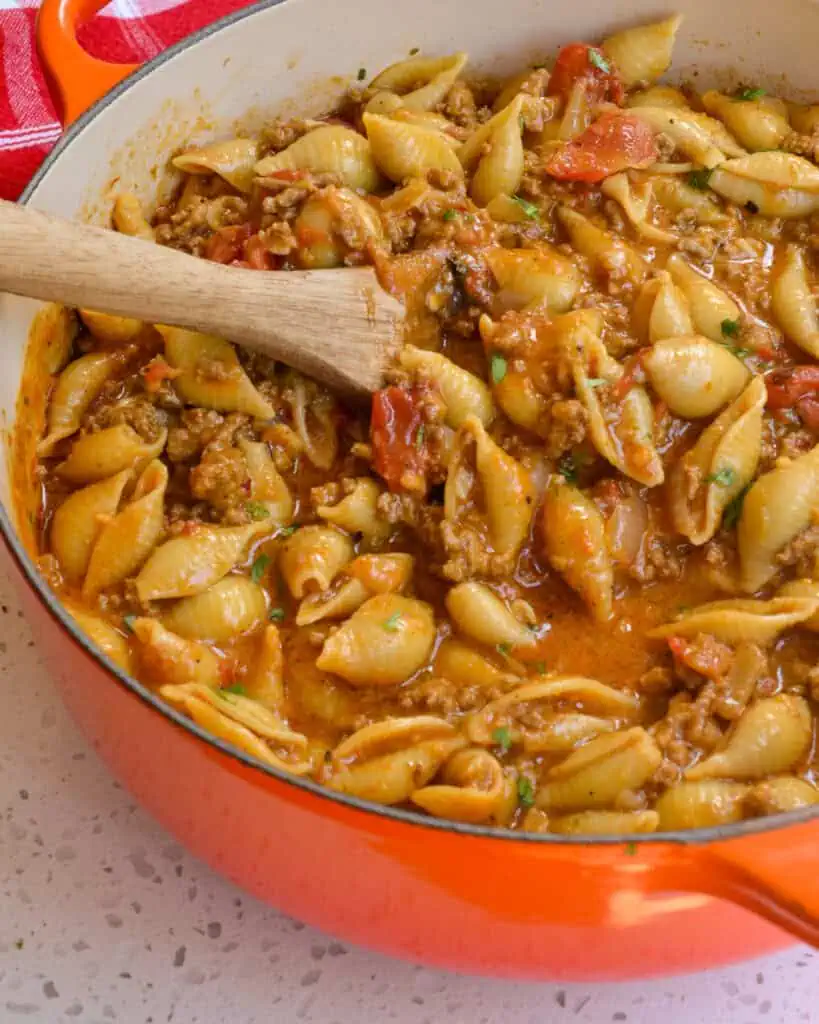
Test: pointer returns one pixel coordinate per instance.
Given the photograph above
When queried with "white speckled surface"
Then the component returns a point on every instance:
(105, 918)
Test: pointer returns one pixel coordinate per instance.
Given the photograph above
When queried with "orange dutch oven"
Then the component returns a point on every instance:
(468, 898)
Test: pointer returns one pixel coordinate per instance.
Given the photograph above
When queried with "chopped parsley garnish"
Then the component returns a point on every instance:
(362, 74)
(419, 438)
(749, 94)
(288, 531)
(540, 667)
(260, 564)
(526, 792)
(450, 214)
(631, 850)
(257, 510)
(567, 467)
(596, 382)
(497, 367)
(237, 688)
(730, 328)
(391, 624)
(502, 738)
(19, 944)
(128, 621)
(413, 51)
(597, 59)
(723, 477)
(699, 179)
(276, 614)
(733, 510)
(531, 211)
(504, 649)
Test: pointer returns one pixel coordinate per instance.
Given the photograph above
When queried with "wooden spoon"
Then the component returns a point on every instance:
(338, 326)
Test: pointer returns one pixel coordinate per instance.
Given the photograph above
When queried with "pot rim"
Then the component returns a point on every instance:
(399, 816)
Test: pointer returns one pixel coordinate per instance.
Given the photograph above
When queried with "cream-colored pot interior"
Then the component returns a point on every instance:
(299, 55)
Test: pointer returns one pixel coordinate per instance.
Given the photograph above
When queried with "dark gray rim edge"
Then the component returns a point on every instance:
(696, 837)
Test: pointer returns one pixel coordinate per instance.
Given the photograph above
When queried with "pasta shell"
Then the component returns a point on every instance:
(643, 53)
(76, 523)
(383, 643)
(126, 540)
(128, 218)
(719, 466)
(480, 614)
(211, 374)
(337, 602)
(168, 658)
(244, 723)
(807, 589)
(701, 805)
(804, 118)
(740, 619)
(267, 486)
(635, 199)
(773, 736)
(778, 796)
(233, 159)
(574, 540)
(330, 149)
(500, 166)
(473, 789)
(330, 223)
(677, 196)
(793, 304)
(757, 124)
(463, 393)
(77, 387)
(264, 682)
(694, 376)
(464, 666)
(108, 452)
(311, 557)
(357, 512)
(691, 135)
(658, 96)
(661, 311)
(608, 254)
(540, 277)
(776, 184)
(521, 401)
(55, 327)
(404, 150)
(710, 306)
(191, 563)
(778, 506)
(594, 775)
(111, 642)
(606, 823)
(231, 607)
(382, 573)
(113, 330)
(438, 74)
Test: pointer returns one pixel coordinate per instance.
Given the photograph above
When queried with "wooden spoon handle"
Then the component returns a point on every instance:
(339, 326)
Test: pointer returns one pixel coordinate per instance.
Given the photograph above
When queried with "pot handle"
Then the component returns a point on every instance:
(78, 79)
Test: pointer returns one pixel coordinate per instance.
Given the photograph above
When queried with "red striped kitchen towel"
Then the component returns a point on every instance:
(126, 30)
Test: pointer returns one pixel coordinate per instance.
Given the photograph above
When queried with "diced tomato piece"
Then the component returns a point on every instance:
(307, 236)
(399, 452)
(226, 244)
(287, 175)
(808, 409)
(633, 374)
(787, 386)
(156, 372)
(581, 62)
(614, 142)
(256, 254)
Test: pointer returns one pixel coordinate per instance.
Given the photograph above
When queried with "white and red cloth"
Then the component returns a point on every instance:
(128, 31)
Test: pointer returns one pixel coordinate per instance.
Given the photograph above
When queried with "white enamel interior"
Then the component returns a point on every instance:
(284, 58)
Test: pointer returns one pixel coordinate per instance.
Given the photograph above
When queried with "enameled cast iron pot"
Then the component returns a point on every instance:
(455, 896)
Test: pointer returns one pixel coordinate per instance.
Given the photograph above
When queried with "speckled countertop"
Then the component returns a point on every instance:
(105, 918)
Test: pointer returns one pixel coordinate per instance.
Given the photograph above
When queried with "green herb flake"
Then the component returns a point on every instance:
(390, 625)
(19, 944)
(723, 477)
(497, 367)
(596, 382)
(288, 531)
(526, 792)
(730, 328)
(237, 688)
(631, 850)
(567, 467)
(502, 738)
(256, 510)
(276, 614)
(450, 214)
(260, 564)
(540, 667)
(700, 179)
(504, 649)
(531, 211)
(419, 438)
(413, 51)
(597, 60)
(733, 510)
(749, 95)
(362, 74)
(128, 621)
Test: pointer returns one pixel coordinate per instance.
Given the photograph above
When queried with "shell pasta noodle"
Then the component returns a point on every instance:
(562, 576)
